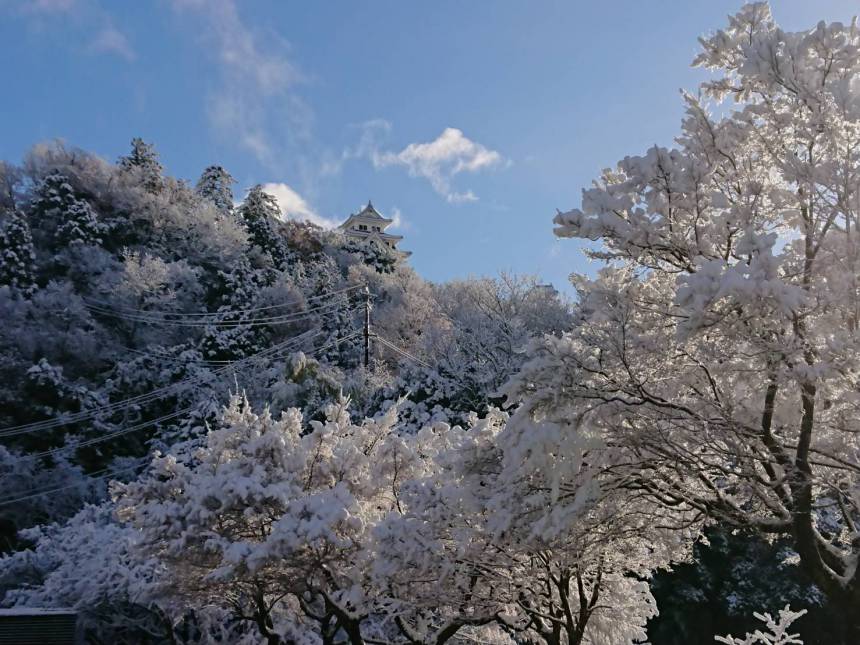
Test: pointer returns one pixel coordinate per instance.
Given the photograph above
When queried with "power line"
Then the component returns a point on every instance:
(126, 431)
(14, 431)
(104, 304)
(223, 322)
(152, 395)
(140, 426)
(118, 405)
(164, 355)
(195, 319)
(151, 353)
(402, 352)
(294, 303)
(95, 476)
(107, 437)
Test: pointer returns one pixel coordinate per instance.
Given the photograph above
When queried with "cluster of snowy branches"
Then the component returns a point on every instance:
(290, 531)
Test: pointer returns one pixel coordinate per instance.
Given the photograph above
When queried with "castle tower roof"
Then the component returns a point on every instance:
(370, 211)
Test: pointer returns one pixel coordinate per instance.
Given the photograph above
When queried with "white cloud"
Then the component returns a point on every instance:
(254, 104)
(112, 41)
(293, 206)
(86, 20)
(399, 222)
(439, 161)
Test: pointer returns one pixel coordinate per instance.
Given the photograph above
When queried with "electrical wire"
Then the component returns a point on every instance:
(154, 394)
(402, 352)
(163, 355)
(195, 319)
(107, 437)
(104, 473)
(162, 392)
(166, 417)
(219, 322)
(173, 359)
(224, 319)
(113, 407)
(107, 305)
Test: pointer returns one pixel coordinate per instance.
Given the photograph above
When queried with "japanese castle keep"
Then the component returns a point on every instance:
(369, 226)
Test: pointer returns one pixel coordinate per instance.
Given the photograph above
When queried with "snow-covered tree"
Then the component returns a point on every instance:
(143, 162)
(493, 321)
(718, 351)
(19, 476)
(64, 215)
(17, 257)
(778, 630)
(260, 214)
(10, 179)
(227, 338)
(380, 258)
(472, 333)
(584, 546)
(730, 575)
(296, 529)
(435, 555)
(92, 564)
(80, 225)
(514, 525)
(270, 520)
(338, 313)
(216, 185)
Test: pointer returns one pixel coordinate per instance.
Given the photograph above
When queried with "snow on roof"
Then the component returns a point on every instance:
(370, 211)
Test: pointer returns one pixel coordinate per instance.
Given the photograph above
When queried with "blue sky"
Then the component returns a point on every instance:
(471, 122)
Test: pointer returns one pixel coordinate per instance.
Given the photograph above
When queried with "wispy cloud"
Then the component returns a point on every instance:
(373, 135)
(399, 222)
(87, 20)
(439, 161)
(293, 206)
(254, 103)
(112, 41)
(48, 6)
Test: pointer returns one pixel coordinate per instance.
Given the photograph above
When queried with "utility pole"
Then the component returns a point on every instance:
(366, 326)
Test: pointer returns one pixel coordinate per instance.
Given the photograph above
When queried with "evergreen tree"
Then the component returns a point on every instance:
(336, 321)
(63, 217)
(16, 252)
(259, 213)
(731, 576)
(382, 259)
(143, 159)
(215, 184)
(235, 341)
(10, 180)
(52, 195)
(80, 225)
